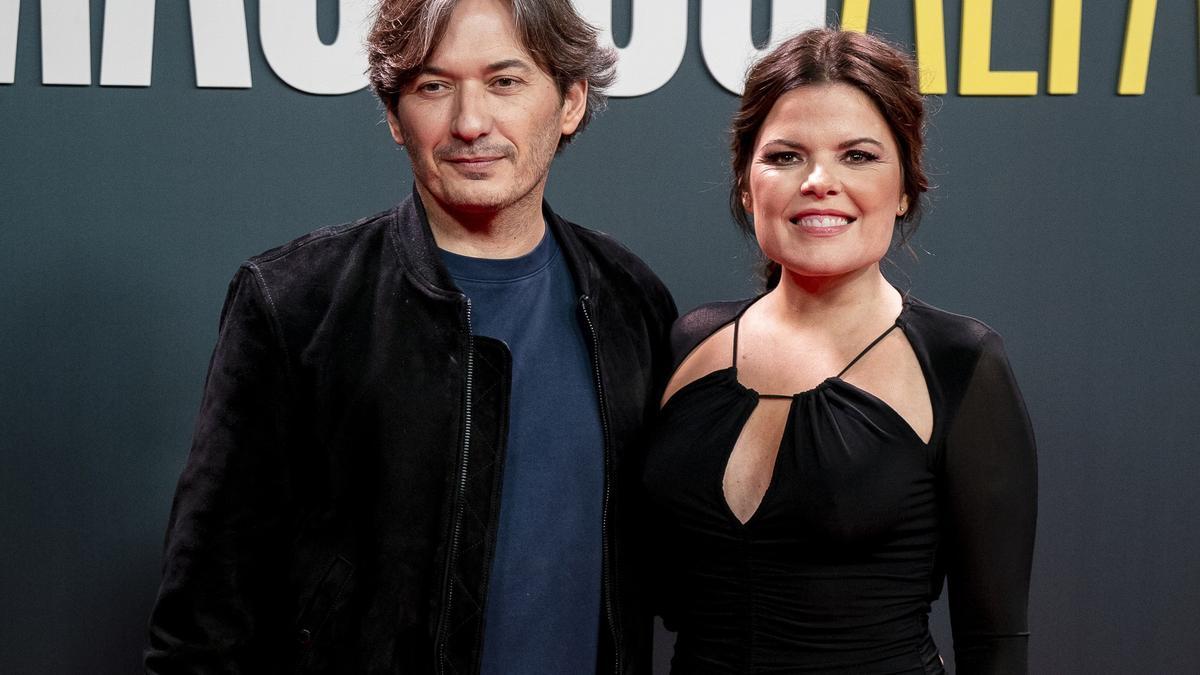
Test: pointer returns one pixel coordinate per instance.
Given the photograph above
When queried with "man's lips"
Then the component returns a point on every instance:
(470, 160)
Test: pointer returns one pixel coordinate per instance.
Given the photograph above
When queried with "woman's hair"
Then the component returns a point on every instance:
(405, 33)
(824, 56)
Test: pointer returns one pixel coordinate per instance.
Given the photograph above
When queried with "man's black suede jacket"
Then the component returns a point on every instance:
(339, 506)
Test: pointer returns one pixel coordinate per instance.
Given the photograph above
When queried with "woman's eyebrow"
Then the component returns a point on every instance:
(857, 141)
(795, 145)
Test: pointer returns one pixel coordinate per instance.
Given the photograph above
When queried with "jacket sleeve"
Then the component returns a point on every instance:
(991, 512)
(215, 609)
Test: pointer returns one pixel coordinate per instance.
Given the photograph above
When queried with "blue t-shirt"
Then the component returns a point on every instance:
(542, 612)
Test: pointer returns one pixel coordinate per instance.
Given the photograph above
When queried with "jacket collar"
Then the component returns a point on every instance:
(419, 255)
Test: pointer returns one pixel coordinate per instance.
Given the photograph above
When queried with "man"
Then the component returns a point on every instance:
(420, 432)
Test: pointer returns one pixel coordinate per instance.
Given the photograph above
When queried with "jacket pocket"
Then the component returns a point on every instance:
(324, 600)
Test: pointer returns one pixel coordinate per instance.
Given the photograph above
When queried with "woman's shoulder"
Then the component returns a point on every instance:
(697, 325)
(948, 338)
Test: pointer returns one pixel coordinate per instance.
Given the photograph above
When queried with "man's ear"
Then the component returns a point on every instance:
(747, 202)
(574, 106)
(394, 125)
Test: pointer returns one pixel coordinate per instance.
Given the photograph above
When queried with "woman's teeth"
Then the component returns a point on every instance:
(821, 221)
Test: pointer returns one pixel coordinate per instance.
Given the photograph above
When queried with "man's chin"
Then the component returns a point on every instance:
(483, 196)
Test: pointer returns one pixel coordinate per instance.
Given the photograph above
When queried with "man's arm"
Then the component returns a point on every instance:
(217, 606)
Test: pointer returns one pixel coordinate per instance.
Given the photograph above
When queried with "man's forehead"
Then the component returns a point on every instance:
(479, 36)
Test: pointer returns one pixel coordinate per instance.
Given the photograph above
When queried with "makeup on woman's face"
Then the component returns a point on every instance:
(825, 181)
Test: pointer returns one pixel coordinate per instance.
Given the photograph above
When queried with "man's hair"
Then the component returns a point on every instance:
(406, 32)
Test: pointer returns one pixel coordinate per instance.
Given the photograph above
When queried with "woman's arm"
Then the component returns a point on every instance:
(990, 493)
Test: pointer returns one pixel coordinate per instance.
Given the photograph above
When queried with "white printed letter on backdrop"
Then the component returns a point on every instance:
(219, 43)
(66, 42)
(295, 52)
(725, 34)
(128, 43)
(657, 42)
(10, 12)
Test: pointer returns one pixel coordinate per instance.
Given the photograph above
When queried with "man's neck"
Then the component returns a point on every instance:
(510, 232)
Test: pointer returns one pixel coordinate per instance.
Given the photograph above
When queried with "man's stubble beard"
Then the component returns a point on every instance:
(467, 195)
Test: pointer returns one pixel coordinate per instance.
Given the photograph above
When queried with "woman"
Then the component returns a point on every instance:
(810, 531)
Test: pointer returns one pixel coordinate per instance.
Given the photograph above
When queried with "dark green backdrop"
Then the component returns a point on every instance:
(1068, 223)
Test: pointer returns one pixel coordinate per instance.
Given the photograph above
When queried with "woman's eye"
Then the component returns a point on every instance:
(786, 157)
(860, 156)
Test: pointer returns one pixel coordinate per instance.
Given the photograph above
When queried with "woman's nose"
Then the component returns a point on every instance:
(820, 182)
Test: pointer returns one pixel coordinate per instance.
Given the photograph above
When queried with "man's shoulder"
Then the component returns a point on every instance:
(608, 250)
(311, 272)
(318, 250)
(618, 266)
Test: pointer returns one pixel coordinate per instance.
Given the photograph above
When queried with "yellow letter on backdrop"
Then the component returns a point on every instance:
(930, 20)
(854, 15)
(976, 77)
(1066, 25)
(931, 38)
(1139, 33)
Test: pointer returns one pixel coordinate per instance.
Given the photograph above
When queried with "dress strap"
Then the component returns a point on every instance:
(863, 352)
(736, 321)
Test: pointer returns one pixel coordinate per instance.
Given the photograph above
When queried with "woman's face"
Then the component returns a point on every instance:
(825, 182)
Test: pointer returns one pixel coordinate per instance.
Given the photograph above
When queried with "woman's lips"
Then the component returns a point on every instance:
(821, 224)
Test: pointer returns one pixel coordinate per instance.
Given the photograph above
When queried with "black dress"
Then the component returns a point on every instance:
(861, 521)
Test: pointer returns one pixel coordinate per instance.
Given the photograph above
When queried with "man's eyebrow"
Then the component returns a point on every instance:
(505, 64)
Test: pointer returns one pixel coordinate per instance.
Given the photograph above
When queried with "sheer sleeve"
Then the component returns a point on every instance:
(990, 493)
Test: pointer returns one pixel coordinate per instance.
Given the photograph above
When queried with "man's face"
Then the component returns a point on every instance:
(482, 121)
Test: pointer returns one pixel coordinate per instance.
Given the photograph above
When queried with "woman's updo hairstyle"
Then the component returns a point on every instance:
(882, 71)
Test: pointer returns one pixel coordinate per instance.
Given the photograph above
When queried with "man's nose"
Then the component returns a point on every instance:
(472, 117)
(820, 182)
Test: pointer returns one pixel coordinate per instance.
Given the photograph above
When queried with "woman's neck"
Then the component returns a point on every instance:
(840, 304)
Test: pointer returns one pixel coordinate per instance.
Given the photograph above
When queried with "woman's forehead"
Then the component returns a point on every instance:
(826, 112)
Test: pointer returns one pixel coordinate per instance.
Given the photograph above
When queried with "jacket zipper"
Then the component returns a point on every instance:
(459, 497)
(607, 579)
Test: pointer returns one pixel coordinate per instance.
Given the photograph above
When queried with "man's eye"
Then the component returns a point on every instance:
(505, 82)
(430, 87)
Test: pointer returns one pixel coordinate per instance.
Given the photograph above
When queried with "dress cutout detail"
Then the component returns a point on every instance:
(750, 468)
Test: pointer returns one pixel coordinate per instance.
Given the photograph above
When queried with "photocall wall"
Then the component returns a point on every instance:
(147, 148)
